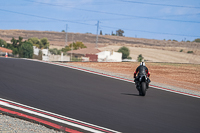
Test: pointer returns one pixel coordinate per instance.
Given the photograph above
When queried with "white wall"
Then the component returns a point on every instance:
(59, 58)
(109, 56)
(36, 50)
(45, 55)
(115, 57)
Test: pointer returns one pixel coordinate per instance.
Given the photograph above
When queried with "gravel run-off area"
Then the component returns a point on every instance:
(15, 125)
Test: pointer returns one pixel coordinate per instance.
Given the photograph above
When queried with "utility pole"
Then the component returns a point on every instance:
(72, 46)
(97, 34)
(66, 36)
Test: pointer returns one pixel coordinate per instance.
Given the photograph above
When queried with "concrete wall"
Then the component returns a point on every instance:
(59, 58)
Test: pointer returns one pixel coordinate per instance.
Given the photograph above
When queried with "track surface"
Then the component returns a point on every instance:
(102, 101)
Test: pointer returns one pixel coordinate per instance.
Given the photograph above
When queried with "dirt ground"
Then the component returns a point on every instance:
(185, 76)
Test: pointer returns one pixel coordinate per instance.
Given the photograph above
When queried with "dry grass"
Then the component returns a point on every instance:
(157, 55)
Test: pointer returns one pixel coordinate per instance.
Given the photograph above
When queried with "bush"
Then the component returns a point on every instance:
(197, 40)
(76, 59)
(26, 50)
(125, 52)
(67, 48)
(181, 50)
(189, 52)
(129, 57)
(55, 51)
(140, 58)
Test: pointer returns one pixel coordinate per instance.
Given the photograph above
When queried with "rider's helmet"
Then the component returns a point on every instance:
(142, 64)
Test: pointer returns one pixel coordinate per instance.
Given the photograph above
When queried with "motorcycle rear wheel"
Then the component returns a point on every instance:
(143, 89)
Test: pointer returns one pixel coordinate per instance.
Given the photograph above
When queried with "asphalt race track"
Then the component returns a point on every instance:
(98, 100)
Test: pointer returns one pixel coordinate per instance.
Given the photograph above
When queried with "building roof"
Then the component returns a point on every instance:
(5, 50)
(85, 51)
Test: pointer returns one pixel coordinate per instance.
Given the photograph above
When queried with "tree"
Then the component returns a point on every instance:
(36, 42)
(63, 31)
(15, 51)
(3, 43)
(119, 32)
(113, 34)
(20, 41)
(14, 42)
(67, 48)
(140, 58)
(26, 50)
(39, 43)
(77, 45)
(101, 32)
(125, 52)
(44, 42)
(197, 40)
(17, 43)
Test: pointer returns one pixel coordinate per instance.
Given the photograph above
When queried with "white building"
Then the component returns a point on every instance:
(36, 50)
(109, 56)
(45, 53)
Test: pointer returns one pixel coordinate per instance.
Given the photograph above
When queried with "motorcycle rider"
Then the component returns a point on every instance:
(141, 70)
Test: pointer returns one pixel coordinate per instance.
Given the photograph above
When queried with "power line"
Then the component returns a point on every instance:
(102, 19)
(25, 21)
(150, 31)
(155, 4)
(44, 17)
(92, 24)
(118, 14)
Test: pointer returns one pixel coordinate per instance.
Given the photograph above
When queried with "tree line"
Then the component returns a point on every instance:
(119, 32)
(24, 49)
(72, 46)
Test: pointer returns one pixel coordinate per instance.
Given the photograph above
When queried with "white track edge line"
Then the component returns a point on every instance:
(58, 115)
(50, 117)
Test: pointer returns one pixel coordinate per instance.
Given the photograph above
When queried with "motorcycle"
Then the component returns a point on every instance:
(143, 85)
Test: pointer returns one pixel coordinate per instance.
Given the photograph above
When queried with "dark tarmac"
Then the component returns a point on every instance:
(98, 100)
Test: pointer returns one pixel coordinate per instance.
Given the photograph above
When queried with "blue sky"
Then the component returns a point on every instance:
(153, 19)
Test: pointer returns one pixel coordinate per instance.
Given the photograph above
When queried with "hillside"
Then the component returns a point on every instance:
(106, 42)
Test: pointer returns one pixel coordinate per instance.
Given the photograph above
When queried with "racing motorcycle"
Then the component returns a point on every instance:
(143, 85)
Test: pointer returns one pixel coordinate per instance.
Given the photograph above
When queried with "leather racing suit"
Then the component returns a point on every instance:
(141, 70)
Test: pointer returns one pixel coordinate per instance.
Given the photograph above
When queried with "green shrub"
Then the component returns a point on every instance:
(189, 51)
(55, 51)
(181, 50)
(197, 40)
(125, 52)
(140, 58)
(129, 57)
